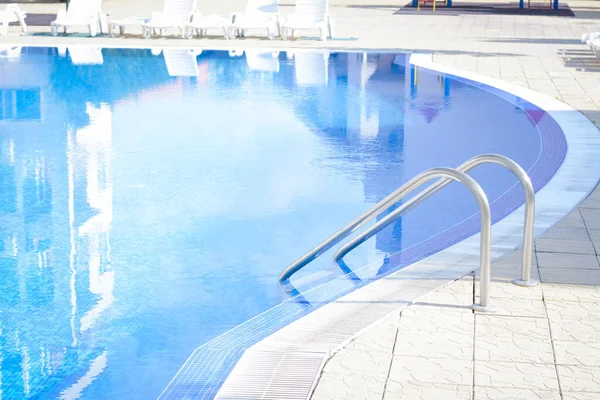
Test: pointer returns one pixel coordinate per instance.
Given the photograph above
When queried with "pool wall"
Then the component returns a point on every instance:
(287, 363)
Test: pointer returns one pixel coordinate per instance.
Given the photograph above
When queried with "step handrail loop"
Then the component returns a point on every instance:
(525, 279)
(450, 173)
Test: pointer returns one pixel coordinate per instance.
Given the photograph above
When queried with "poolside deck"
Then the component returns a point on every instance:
(544, 342)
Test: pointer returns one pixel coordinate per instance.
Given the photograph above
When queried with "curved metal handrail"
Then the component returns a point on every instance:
(448, 173)
(521, 175)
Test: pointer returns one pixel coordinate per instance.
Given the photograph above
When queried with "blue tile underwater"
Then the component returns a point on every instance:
(148, 202)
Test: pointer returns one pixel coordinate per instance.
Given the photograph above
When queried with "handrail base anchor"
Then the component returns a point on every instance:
(480, 308)
(528, 283)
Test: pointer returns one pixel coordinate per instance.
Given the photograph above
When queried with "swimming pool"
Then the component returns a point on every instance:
(149, 200)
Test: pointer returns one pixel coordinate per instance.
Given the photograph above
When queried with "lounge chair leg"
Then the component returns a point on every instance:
(270, 33)
(3, 27)
(226, 33)
(323, 34)
(92, 30)
(147, 33)
(22, 22)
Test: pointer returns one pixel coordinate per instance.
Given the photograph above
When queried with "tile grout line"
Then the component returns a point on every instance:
(389, 371)
(585, 225)
(549, 330)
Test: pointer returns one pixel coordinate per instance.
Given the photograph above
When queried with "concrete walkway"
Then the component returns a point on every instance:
(543, 342)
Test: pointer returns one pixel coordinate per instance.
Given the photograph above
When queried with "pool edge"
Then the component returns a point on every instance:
(288, 362)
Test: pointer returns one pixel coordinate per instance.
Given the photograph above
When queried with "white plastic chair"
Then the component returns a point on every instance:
(309, 14)
(80, 13)
(261, 60)
(176, 14)
(12, 13)
(259, 15)
(201, 24)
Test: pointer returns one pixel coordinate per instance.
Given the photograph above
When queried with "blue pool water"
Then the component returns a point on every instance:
(149, 202)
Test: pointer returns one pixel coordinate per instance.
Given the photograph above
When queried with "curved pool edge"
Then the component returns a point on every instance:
(287, 363)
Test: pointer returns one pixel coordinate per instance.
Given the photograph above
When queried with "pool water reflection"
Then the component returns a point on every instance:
(149, 200)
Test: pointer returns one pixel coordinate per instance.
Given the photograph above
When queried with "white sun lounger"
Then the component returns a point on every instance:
(309, 14)
(201, 24)
(259, 15)
(12, 13)
(261, 60)
(588, 37)
(176, 14)
(595, 45)
(80, 13)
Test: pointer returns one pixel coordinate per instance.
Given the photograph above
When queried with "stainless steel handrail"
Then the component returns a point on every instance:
(521, 175)
(452, 174)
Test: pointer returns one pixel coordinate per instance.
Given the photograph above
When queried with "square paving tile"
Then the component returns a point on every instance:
(417, 343)
(508, 327)
(591, 218)
(572, 310)
(581, 330)
(426, 370)
(490, 393)
(575, 276)
(348, 386)
(580, 396)
(579, 379)
(413, 390)
(577, 353)
(564, 246)
(567, 292)
(567, 234)
(516, 375)
(516, 349)
(570, 261)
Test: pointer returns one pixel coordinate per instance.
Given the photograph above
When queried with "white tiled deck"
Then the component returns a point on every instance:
(543, 342)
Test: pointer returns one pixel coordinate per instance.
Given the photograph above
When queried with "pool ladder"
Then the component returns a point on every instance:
(447, 175)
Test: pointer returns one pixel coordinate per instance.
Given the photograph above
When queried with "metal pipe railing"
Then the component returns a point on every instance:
(448, 173)
(521, 175)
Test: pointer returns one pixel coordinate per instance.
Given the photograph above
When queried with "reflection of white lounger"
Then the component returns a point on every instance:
(260, 60)
(12, 14)
(312, 67)
(181, 62)
(80, 13)
(10, 51)
(85, 55)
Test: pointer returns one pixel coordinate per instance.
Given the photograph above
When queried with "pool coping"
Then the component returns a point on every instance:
(287, 364)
